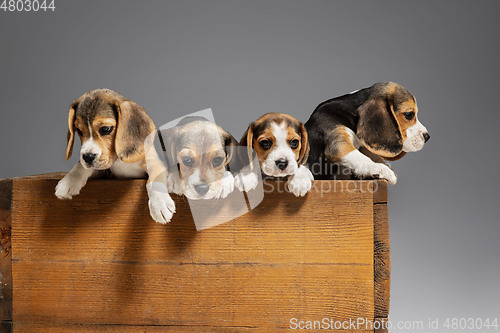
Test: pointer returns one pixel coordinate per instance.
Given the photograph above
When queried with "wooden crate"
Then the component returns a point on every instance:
(99, 263)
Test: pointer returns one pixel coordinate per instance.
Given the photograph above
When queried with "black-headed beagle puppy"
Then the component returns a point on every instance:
(116, 135)
(380, 121)
(281, 145)
(199, 153)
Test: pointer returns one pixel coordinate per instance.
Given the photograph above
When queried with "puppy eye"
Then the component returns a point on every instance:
(79, 132)
(265, 144)
(294, 143)
(188, 161)
(409, 115)
(105, 130)
(217, 161)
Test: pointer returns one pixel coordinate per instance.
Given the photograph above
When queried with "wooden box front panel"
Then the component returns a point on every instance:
(99, 262)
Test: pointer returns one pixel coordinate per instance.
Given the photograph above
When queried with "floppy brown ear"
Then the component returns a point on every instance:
(304, 146)
(378, 129)
(395, 158)
(247, 140)
(132, 129)
(229, 143)
(71, 130)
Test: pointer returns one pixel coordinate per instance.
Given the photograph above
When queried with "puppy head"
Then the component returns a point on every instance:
(110, 127)
(202, 151)
(388, 125)
(280, 142)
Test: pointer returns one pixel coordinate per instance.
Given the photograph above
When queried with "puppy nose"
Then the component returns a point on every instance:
(282, 164)
(89, 158)
(426, 137)
(202, 189)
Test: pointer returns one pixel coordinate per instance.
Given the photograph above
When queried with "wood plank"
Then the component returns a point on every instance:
(64, 328)
(382, 258)
(5, 255)
(382, 262)
(256, 295)
(44, 176)
(380, 191)
(114, 225)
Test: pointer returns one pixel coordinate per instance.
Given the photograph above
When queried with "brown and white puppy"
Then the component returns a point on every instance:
(199, 154)
(281, 145)
(380, 120)
(116, 135)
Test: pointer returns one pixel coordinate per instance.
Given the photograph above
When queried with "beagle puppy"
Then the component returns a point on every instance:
(199, 154)
(360, 130)
(281, 145)
(116, 135)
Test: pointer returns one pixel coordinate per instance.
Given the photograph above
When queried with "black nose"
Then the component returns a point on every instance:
(89, 158)
(282, 164)
(426, 137)
(202, 189)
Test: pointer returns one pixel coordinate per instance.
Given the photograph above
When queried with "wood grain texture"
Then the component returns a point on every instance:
(99, 261)
(381, 255)
(5, 255)
(63, 328)
(382, 263)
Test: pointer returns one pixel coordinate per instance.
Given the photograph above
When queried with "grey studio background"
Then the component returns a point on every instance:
(246, 58)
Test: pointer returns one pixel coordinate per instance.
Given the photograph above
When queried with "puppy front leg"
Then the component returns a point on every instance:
(301, 181)
(246, 180)
(73, 181)
(161, 205)
(362, 165)
(226, 185)
(341, 150)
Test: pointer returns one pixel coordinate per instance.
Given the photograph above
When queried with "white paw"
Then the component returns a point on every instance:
(161, 205)
(226, 185)
(173, 183)
(380, 170)
(300, 182)
(246, 181)
(68, 187)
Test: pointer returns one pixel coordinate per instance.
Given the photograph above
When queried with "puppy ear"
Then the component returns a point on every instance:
(395, 158)
(304, 146)
(247, 140)
(378, 129)
(132, 129)
(229, 143)
(70, 138)
(168, 139)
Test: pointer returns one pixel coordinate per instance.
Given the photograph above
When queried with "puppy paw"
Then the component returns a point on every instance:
(227, 184)
(300, 182)
(173, 183)
(384, 172)
(68, 187)
(161, 205)
(246, 181)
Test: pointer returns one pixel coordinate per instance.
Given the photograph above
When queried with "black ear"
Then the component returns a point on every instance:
(247, 140)
(378, 129)
(70, 138)
(132, 129)
(304, 146)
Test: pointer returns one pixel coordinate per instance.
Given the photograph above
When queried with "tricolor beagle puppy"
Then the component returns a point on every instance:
(199, 153)
(281, 144)
(380, 121)
(116, 136)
